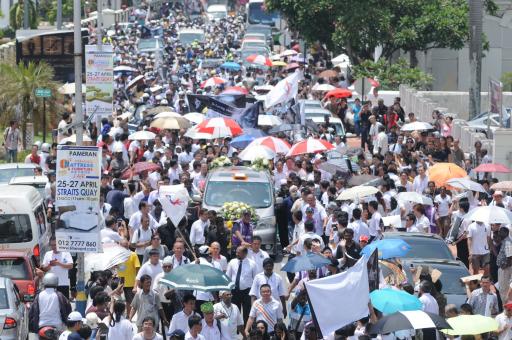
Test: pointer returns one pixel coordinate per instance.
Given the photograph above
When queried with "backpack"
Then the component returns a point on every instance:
(33, 313)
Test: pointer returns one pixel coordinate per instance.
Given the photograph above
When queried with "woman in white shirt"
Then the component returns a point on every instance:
(119, 327)
(422, 221)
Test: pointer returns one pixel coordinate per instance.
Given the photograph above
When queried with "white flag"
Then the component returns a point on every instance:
(174, 200)
(340, 299)
(285, 90)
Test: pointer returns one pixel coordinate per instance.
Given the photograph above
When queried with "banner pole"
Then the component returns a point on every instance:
(313, 316)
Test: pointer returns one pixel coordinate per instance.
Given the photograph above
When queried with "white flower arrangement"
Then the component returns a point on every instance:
(260, 164)
(232, 211)
(220, 162)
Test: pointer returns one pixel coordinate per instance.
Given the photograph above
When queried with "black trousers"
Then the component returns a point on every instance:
(463, 252)
(242, 300)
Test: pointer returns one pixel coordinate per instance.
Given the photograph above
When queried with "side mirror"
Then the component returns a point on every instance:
(196, 198)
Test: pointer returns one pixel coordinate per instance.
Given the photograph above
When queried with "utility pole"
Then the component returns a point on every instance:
(59, 14)
(475, 56)
(81, 298)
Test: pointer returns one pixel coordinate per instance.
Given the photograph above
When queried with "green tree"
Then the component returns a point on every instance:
(16, 15)
(17, 91)
(391, 75)
(356, 28)
(506, 79)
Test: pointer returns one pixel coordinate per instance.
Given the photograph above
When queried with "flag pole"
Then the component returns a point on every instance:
(313, 316)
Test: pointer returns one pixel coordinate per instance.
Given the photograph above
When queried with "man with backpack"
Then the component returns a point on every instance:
(50, 307)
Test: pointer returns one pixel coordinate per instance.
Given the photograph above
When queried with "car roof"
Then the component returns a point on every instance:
(404, 234)
(28, 180)
(14, 253)
(25, 193)
(191, 30)
(226, 174)
(217, 8)
(429, 261)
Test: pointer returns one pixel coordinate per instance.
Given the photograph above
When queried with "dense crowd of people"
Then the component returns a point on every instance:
(310, 218)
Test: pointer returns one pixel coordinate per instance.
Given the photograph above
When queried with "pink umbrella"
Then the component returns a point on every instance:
(219, 127)
(492, 167)
(212, 82)
(140, 167)
(259, 60)
(277, 145)
(310, 145)
(292, 66)
(235, 90)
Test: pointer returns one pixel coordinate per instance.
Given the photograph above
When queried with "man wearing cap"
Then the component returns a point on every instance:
(177, 334)
(212, 328)
(73, 324)
(163, 290)
(273, 280)
(229, 315)
(504, 320)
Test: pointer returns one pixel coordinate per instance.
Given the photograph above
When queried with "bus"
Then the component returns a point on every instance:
(257, 14)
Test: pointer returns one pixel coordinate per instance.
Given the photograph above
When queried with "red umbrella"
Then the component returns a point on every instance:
(374, 83)
(259, 59)
(277, 145)
(212, 82)
(235, 90)
(310, 145)
(219, 127)
(492, 167)
(339, 93)
(140, 167)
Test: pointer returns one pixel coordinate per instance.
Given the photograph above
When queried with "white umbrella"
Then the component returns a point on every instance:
(72, 139)
(124, 68)
(489, 214)
(360, 191)
(417, 126)
(414, 197)
(269, 120)
(275, 57)
(134, 81)
(256, 151)
(322, 87)
(340, 59)
(465, 184)
(194, 134)
(167, 114)
(69, 88)
(194, 117)
(112, 255)
(170, 123)
(142, 135)
(288, 53)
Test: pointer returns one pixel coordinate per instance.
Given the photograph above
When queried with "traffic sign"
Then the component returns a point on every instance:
(43, 92)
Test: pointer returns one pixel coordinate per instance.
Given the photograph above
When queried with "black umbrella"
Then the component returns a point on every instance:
(363, 179)
(339, 164)
(416, 319)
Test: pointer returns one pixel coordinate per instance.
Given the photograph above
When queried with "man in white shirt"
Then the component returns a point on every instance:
(195, 326)
(273, 280)
(279, 174)
(309, 227)
(443, 202)
(265, 308)
(229, 315)
(197, 230)
(49, 304)
(109, 234)
(58, 263)
(256, 254)
(420, 182)
(131, 204)
(429, 303)
(180, 319)
(359, 227)
(242, 270)
(381, 145)
(374, 223)
(505, 322)
(212, 329)
(319, 213)
(141, 237)
(479, 242)
(152, 268)
(135, 219)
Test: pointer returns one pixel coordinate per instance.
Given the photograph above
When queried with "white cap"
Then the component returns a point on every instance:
(75, 316)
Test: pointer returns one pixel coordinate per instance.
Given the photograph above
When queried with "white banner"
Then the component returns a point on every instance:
(99, 79)
(174, 200)
(78, 198)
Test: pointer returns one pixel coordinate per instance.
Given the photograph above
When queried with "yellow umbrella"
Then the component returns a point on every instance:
(278, 63)
(440, 173)
(470, 325)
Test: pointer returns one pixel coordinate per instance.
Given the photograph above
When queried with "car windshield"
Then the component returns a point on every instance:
(255, 194)
(15, 228)
(189, 38)
(15, 269)
(259, 29)
(426, 248)
(217, 15)
(7, 174)
(4, 302)
(258, 15)
(450, 277)
(148, 44)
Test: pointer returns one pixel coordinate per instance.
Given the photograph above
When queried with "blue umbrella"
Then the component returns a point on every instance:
(389, 301)
(309, 261)
(388, 248)
(246, 138)
(231, 65)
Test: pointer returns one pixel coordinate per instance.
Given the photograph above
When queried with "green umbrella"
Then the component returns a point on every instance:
(197, 277)
(470, 325)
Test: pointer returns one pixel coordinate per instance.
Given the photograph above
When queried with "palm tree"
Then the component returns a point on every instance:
(17, 92)
(476, 13)
(16, 14)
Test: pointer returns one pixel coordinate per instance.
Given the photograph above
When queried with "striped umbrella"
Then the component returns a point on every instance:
(219, 127)
(235, 90)
(310, 145)
(278, 145)
(197, 277)
(212, 82)
(259, 59)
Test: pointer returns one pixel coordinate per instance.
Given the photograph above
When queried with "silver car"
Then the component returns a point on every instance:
(13, 312)
(479, 122)
(242, 184)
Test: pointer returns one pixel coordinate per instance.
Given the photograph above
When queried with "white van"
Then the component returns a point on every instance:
(23, 223)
